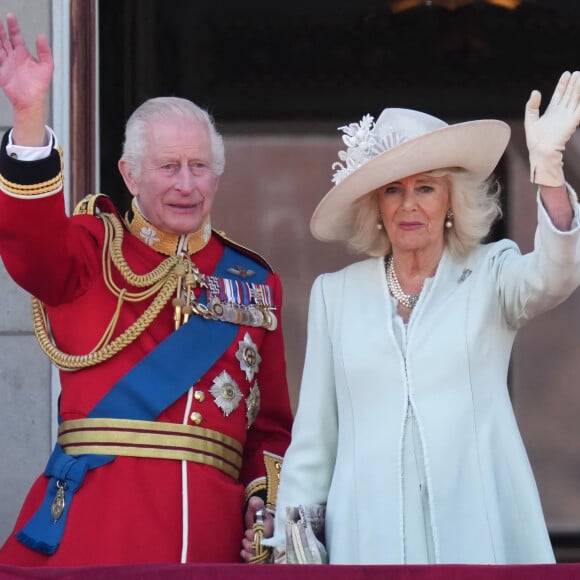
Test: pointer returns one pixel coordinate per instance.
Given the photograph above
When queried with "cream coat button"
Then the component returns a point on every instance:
(196, 417)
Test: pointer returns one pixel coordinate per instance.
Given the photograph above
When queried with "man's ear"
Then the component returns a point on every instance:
(127, 174)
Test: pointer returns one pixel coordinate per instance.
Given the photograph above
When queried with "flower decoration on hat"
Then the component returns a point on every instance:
(248, 356)
(226, 393)
(364, 140)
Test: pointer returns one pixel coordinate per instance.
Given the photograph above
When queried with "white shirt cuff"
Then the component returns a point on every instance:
(23, 153)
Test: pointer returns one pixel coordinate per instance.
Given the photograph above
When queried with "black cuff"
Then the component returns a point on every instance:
(28, 172)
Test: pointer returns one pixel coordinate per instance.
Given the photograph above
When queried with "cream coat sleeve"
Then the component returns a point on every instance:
(519, 278)
(307, 470)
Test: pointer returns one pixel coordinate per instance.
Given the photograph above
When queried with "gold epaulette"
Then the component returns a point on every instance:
(92, 204)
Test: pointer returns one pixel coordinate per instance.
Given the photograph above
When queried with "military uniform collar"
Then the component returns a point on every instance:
(163, 242)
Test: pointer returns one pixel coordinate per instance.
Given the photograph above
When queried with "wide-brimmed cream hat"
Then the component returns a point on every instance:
(402, 142)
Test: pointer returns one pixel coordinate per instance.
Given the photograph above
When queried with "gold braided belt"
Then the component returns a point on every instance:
(153, 440)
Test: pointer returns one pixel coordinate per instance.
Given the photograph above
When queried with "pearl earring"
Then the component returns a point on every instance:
(449, 219)
(380, 223)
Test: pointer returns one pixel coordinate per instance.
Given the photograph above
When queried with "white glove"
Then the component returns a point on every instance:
(546, 136)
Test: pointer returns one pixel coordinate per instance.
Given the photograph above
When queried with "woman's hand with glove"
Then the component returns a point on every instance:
(547, 135)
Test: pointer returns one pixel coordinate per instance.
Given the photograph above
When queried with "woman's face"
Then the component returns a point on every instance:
(413, 211)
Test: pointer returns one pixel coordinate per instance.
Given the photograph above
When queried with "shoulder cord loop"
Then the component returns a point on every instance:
(161, 281)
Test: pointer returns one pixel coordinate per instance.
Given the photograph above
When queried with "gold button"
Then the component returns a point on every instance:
(196, 417)
(199, 396)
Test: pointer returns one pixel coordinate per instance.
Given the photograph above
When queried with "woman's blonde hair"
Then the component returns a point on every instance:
(476, 206)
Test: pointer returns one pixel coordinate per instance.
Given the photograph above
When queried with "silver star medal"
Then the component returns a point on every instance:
(226, 393)
(249, 357)
(253, 404)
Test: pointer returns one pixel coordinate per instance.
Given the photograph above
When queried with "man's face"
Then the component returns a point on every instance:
(176, 185)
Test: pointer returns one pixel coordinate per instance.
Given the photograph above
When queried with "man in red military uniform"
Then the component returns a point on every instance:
(174, 408)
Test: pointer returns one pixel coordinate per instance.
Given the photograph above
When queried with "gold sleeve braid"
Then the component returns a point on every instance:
(273, 467)
(35, 190)
(161, 282)
(270, 483)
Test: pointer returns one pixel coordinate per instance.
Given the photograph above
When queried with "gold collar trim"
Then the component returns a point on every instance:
(163, 242)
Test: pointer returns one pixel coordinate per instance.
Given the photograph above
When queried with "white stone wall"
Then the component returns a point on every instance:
(25, 373)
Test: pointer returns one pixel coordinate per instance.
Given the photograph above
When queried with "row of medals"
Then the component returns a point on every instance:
(256, 315)
(252, 315)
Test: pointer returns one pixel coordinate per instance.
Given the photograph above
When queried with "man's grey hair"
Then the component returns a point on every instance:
(161, 108)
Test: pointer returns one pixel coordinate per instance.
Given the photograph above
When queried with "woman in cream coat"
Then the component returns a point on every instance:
(405, 428)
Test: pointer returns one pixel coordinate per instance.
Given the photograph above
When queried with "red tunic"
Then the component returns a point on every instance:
(134, 509)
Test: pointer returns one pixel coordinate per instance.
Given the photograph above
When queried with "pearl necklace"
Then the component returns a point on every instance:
(408, 300)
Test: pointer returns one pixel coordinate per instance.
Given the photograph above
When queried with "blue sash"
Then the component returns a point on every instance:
(150, 387)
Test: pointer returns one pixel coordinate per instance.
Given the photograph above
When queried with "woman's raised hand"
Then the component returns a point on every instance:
(547, 135)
